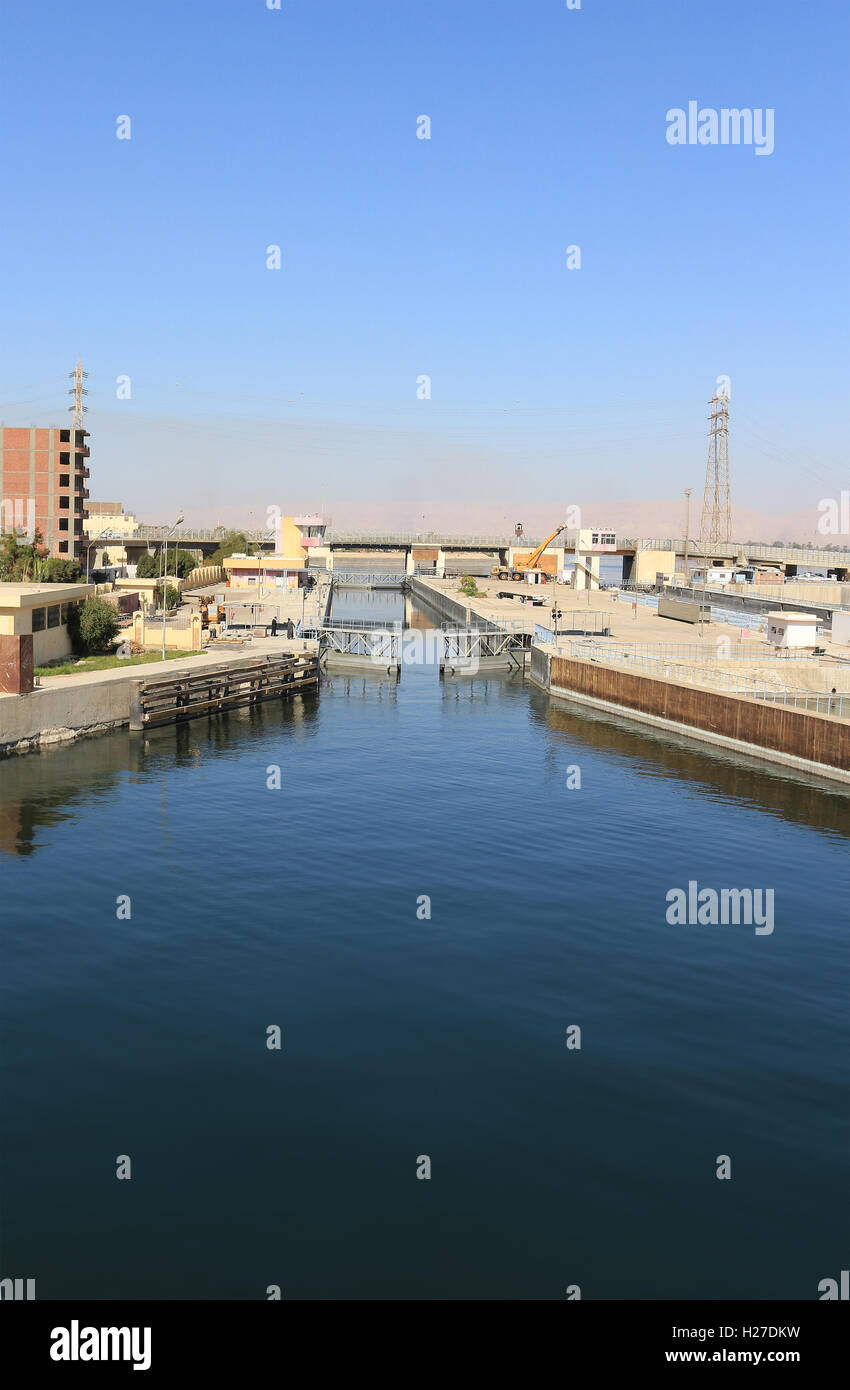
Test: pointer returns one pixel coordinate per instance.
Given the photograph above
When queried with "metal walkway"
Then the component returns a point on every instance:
(356, 579)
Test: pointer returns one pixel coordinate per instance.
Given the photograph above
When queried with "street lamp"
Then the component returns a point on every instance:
(177, 523)
(104, 536)
(688, 491)
(556, 614)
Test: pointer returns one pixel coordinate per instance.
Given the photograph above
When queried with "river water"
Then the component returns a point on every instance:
(424, 907)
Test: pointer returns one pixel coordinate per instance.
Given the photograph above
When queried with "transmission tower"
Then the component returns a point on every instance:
(78, 391)
(716, 523)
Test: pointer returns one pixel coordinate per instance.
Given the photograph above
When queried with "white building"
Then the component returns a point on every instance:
(792, 629)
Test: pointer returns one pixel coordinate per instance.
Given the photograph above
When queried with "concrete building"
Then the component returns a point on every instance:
(269, 571)
(110, 516)
(34, 629)
(792, 629)
(108, 519)
(310, 528)
(295, 537)
(43, 475)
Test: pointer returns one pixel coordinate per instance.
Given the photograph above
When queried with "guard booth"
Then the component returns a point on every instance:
(792, 629)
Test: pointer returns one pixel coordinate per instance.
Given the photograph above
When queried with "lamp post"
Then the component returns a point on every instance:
(177, 523)
(556, 614)
(688, 491)
(104, 536)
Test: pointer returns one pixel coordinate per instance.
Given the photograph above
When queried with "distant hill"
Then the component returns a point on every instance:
(663, 517)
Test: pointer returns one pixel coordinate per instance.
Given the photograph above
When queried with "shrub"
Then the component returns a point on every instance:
(149, 567)
(172, 595)
(63, 572)
(468, 586)
(92, 626)
(179, 562)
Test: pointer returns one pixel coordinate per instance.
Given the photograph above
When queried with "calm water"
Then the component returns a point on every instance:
(402, 1037)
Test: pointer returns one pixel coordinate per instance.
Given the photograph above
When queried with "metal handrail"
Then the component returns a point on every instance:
(727, 681)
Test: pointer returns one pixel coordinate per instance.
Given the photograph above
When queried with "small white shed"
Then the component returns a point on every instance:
(792, 629)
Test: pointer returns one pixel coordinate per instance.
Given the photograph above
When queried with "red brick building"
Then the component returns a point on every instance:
(43, 475)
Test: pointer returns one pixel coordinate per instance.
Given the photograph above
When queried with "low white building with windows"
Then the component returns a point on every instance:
(41, 610)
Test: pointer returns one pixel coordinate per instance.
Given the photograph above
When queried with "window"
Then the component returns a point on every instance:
(64, 436)
(63, 547)
(64, 480)
(63, 523)
(64, 460)
(63, 504)
(53, 615)
(78, 528)
(38, 619)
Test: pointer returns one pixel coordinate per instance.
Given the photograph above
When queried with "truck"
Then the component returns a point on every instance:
(523, 568)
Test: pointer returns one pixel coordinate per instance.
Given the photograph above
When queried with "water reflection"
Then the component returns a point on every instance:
(38, 791)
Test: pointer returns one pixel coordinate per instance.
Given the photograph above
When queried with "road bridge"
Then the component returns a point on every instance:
(410, 545)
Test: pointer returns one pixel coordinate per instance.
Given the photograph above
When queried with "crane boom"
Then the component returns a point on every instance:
(521, 568)
(533, 559)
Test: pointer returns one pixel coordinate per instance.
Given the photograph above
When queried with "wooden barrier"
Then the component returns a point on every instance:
(218, 688)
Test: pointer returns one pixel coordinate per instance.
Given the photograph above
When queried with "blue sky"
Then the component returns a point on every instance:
(445, 257)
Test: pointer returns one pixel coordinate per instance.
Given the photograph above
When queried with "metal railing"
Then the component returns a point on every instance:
(464, 645)
(353, 579)
(352, 624)
(692, 652)
(710, 678)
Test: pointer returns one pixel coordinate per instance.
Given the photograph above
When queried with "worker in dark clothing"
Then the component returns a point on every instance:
(290, 628)
(274, 626)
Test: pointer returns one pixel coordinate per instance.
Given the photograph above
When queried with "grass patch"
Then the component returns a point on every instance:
(107, 663)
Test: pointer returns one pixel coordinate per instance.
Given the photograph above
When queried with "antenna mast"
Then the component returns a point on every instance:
(78, 391)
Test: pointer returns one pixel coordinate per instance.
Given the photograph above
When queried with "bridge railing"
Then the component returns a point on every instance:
(363, 579)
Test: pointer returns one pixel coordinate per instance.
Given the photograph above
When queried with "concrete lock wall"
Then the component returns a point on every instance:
(55, 716)
(814, 738)
(447, 607)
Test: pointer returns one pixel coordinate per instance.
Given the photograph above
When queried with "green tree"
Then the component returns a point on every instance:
(468, 586)
(20, 562)
(92, 626)
(59, 571)
(232, 543)
(182, 563)
(149, 567)
(172, 595)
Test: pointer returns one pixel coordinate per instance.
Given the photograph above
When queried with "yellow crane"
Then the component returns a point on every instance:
(525, 566)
